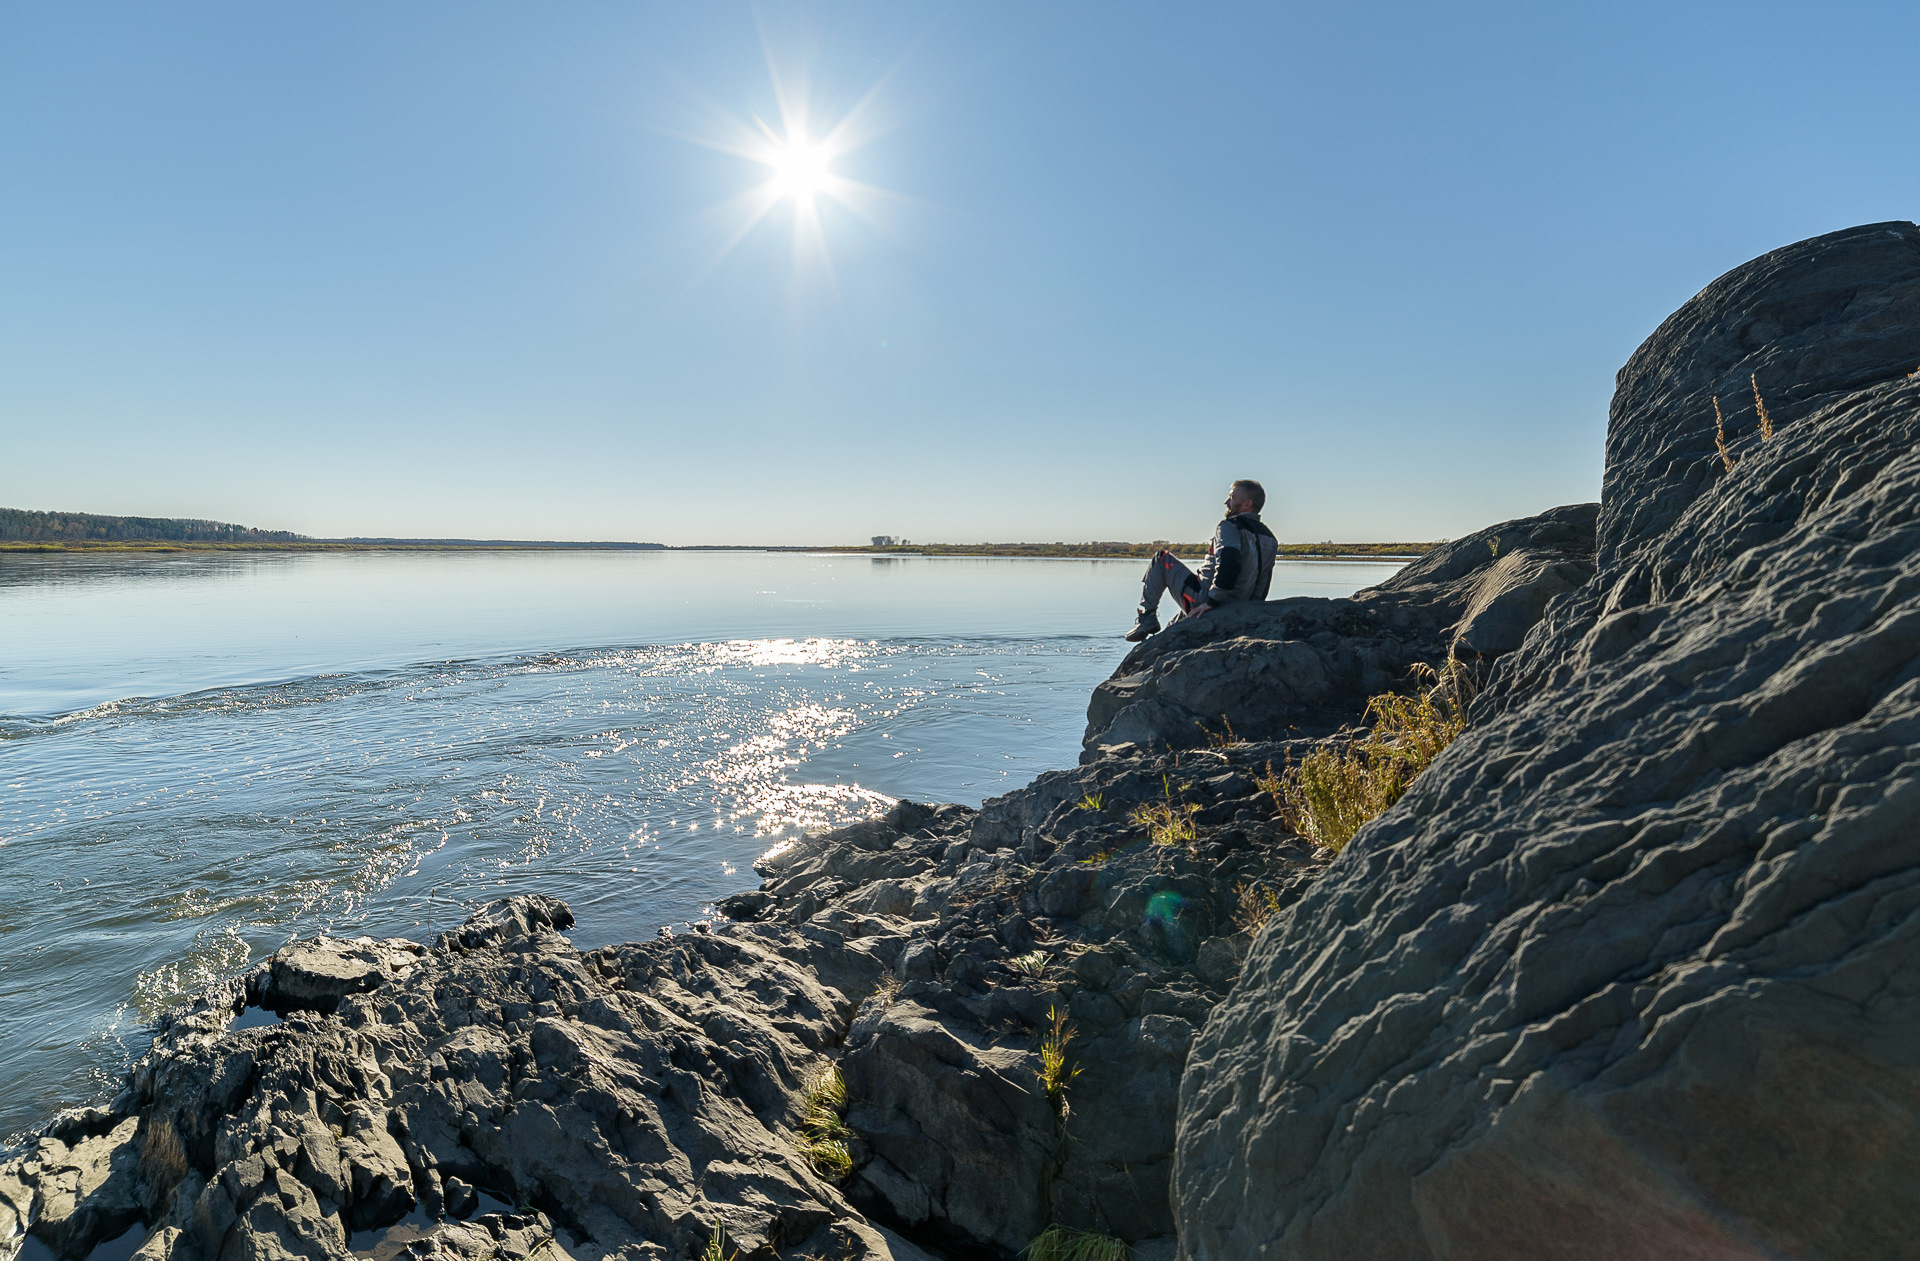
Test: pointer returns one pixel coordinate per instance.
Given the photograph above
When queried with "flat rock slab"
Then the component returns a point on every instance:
(315, 975)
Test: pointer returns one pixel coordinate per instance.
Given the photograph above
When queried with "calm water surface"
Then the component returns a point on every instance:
(202, 757)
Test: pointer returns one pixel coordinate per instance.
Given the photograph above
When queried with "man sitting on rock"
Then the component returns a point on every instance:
(1239, 565)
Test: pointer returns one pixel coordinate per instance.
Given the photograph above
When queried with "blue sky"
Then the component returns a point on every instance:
(459, 269)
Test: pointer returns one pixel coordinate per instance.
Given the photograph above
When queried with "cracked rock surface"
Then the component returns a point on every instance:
(1634, 968)
(624, 1102)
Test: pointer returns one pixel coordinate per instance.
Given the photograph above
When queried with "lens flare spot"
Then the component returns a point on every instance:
(1164, 907)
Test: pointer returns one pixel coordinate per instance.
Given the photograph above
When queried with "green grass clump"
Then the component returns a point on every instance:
(717, 1246)
(1063, 1243)
(1166, 821)
(823, 1135)
(1034, 963)
(1055, 1076)
(1330, 794)
(1094, 802)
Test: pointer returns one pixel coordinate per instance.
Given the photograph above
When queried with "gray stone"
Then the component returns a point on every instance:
(315, 975)
(922, 1079)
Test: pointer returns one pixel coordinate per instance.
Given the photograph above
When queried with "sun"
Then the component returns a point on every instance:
(798, 149)
(800, 170)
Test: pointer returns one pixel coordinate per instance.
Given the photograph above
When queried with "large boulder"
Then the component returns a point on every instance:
(1305, 666)
(1634, 968)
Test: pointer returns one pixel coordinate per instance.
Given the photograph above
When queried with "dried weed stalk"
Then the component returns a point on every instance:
(1760, 405)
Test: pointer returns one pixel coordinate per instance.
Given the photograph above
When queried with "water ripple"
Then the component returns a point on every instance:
(155, 844)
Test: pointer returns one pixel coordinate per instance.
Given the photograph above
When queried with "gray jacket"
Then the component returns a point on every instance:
(1239, 564)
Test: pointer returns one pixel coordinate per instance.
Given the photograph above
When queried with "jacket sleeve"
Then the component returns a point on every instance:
(1225, 564)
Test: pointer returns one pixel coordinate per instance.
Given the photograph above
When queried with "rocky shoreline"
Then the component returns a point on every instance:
(1630, 971)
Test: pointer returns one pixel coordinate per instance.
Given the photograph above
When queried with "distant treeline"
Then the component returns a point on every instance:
(500, 545)
(23, 525)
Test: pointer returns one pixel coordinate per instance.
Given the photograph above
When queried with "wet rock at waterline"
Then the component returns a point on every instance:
(1634, 969)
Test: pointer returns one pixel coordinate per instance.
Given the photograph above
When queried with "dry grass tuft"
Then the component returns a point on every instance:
(1720, 436)
(1255, 906)
(1063, 1243)
(1328, 795)
(1227, 738)
(1055, 1076)
(163, 1159)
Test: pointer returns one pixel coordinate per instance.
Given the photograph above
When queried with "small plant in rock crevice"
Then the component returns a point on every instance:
(1226, 738)
(716, 1249)
(1760, 406)
(1034, 963)
(1063, 1243)
(1167, 822)
(1255, 904)
(823, 1135)
(1272, 783)
(1055, 1076)
(1094, 802)
(1727, 460)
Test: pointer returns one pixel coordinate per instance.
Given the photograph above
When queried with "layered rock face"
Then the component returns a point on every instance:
(1634, 969)
(1304, 667)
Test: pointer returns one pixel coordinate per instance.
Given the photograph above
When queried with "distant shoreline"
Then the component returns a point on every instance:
(1068, 551)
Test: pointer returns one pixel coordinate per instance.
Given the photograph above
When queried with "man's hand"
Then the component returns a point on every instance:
(1200, 609)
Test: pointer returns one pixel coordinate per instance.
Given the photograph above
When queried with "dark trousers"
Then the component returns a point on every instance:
(1165, 574)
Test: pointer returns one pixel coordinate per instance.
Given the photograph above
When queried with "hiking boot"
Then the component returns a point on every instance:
(1147, 624)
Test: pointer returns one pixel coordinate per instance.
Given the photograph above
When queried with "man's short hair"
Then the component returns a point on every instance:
(1252, 490)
